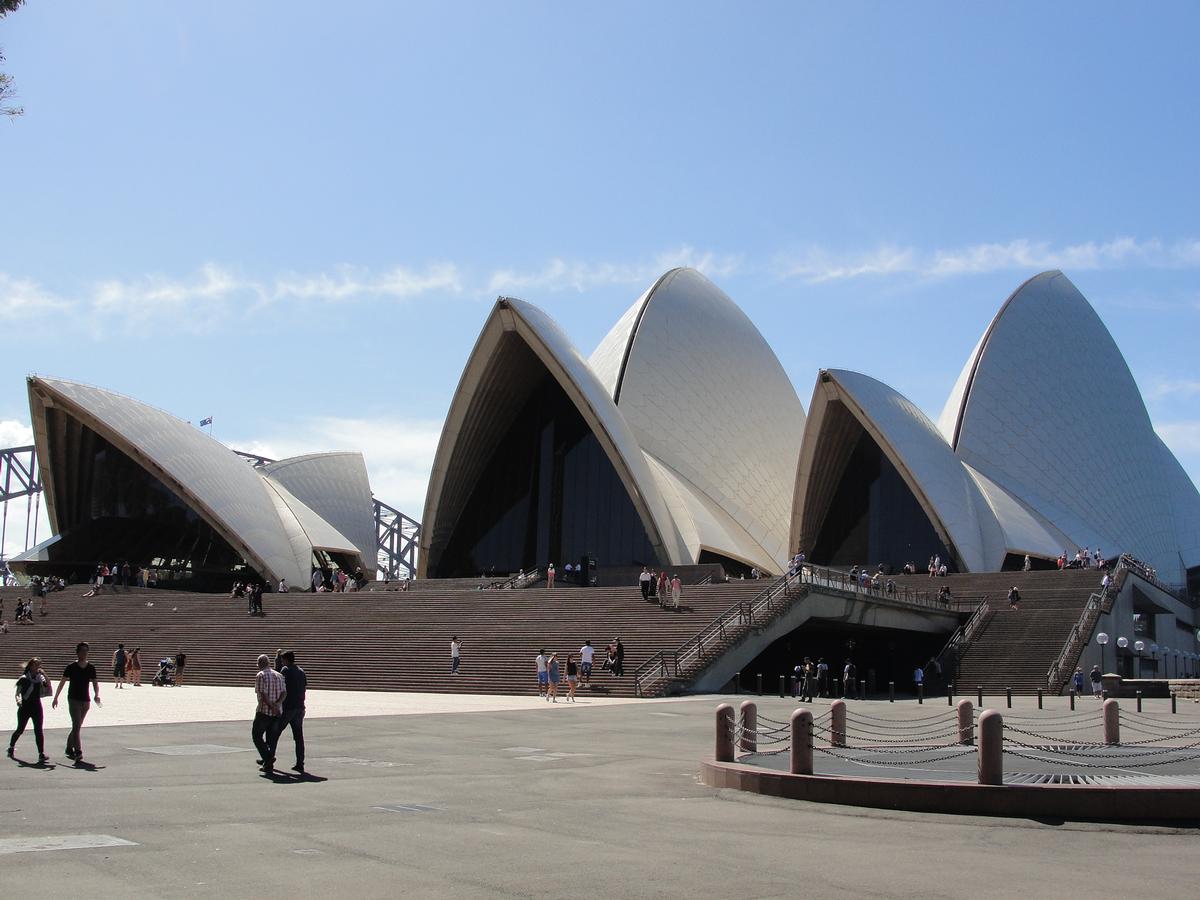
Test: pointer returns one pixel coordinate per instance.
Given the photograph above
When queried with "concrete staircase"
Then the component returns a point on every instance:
(368, 640)
(1015, 649)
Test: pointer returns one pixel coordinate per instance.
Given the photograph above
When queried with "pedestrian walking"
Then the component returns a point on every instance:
(552, 678)
(1014, 598)
(644, 582)
(180, 661)
(77, 676)
(572, 677)
(295, 683)
(619, 659)
(587, 654)
(676, 591)
(822, 677)
(31, 687)
(1097, 682)
(269, 689)
(918, 679)
(1077, 681)
(810, 680)
(119, 661)
(455, 654)
(543, 675)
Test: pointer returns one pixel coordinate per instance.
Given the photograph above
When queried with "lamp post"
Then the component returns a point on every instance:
(1138, 647)
(1102, 639)
(1166, 652)
(1122, 643)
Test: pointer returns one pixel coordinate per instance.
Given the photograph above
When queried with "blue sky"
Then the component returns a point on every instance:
(295, 216)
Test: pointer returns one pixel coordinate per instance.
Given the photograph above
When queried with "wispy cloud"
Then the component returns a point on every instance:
(1182, 437)
(23, 298)
(815, 265)
(1179, 388)
(559, 275)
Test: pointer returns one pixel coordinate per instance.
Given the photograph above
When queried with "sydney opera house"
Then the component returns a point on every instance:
(679, 441)
(124, 481)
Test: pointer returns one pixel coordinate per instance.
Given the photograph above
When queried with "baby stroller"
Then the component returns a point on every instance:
(165, 674)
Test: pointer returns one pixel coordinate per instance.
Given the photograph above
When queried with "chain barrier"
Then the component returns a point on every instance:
(893, 721)
(932, 726)
(1097, 752)
(894, 762)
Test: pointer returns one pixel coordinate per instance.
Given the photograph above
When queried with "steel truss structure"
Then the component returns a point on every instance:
(396, 535)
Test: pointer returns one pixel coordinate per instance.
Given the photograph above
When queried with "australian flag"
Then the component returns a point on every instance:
(207, 421)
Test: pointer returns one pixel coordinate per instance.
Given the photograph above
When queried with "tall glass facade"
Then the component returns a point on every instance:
(114, 511)
(549, 494)
(874, 518)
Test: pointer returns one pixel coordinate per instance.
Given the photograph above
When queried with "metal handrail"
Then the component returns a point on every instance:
(759, 611)
(1081, 632)
(964, 633)
(518, 581)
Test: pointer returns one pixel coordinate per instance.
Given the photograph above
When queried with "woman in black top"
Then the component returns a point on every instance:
(31, 686)
(572, 677)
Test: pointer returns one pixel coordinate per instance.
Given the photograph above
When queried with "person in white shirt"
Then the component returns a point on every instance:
(543, 677)
(283, 588)
(586, 654)
(644, 582)
(455, 654)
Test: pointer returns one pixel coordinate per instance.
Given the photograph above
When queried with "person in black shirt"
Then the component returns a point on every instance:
(293, 707)
(30, 687)
(77, 676)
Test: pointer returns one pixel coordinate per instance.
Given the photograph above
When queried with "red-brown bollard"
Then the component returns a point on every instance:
(748, 716)
(837, 725)
(802, 744)
(966, 722)
(991, 747)
(1112, 721)
(724, 733)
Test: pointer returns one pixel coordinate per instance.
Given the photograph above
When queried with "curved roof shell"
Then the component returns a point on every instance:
(258, 521)
(493, 387)
(951, 499)
(707, 398)
(1049, 411)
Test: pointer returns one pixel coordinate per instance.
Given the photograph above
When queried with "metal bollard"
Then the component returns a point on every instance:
(748, 716)
(920, 694)
(979, 695)
(837, 725)
(950, 695)
(1039, 698)
(991, 747)
(795, 687)
(724, 751)
(862, 689)
(760, 684)
(1138, 694)
(966, 722)
(1008, 697)
(1072, 699)
(802, 748)
(737, 682)
(1172, 704)
(782, 686)
(1112, 722)
(891, 692)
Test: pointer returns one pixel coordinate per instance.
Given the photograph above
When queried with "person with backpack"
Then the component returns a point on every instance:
(849, 677)
(31, 687)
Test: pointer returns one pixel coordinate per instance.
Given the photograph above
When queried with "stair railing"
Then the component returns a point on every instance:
(962, 636)
(1081, 632)
(666, 665)
(518, 581)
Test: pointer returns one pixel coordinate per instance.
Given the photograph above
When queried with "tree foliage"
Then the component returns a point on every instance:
(7, 88)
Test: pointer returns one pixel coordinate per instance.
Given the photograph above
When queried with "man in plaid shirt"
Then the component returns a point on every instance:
(270, 690)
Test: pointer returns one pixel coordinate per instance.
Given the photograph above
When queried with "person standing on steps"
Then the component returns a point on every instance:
(31, 687)
(619, 657)
(550, 575)
(455, 654)
(77, 676)
(587, 654)
(644, 582)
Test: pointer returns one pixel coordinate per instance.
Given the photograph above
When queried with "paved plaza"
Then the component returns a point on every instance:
(428, 795)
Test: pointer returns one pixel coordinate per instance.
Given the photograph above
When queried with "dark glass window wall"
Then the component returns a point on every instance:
(549, 494)
(874, 518)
